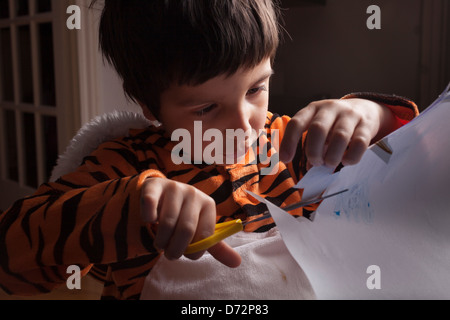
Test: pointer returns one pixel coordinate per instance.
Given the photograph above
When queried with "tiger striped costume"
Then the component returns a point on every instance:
(91, 217)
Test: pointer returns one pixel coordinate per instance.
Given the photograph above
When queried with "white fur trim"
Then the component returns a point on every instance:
(101, 129)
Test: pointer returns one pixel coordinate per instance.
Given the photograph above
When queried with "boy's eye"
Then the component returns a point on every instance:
(205, 110)
(256, 90)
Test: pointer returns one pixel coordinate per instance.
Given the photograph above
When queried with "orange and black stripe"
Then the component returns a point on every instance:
(90, 217)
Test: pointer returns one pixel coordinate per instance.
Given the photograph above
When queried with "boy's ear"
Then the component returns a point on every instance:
(147, 113)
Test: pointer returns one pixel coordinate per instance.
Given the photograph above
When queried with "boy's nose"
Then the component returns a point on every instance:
(241, 120)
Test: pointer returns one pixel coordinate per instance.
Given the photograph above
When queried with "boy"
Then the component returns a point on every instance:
(183, 61)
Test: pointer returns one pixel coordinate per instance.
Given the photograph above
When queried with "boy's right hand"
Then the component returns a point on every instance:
(184, 215)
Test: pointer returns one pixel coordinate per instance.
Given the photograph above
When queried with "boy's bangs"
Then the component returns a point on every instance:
(220, 39)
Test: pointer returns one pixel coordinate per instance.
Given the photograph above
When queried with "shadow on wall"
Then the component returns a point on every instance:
(330, 52)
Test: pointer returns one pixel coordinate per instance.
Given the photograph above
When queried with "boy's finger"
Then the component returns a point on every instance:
(294, 132)
(150, 196)
(206, 224)
(225, 254)
(358, 145)
(184, 231)
(339, 139)
(168, 218)
(196, 255)
(318, 132)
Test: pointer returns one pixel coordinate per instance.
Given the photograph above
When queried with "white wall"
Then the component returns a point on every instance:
(112, 94)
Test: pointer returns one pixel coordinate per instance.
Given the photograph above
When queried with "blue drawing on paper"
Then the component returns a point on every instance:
(354, 205)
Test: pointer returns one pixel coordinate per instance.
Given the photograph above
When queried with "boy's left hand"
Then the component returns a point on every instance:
(338, 131)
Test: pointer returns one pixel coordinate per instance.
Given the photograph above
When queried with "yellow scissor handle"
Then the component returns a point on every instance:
(223, 230)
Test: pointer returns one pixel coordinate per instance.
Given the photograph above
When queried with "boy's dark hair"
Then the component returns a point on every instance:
(154, 43)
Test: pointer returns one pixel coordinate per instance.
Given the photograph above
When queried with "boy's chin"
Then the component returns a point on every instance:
(236, 158)
(229, 159)
(232, 160)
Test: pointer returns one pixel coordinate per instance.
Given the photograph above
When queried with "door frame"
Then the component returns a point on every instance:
(67, 110)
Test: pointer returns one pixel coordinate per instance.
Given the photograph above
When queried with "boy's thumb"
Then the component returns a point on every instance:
(225, 254)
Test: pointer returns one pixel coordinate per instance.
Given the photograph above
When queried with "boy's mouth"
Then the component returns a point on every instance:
(220, 148)
(239, 153)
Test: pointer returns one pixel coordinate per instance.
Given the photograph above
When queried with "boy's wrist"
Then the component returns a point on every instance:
(388, 121)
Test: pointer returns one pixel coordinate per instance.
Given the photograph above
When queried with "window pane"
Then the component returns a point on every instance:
(21, 7)
(50, 144)
(26, 78)
(6, 65)
(44, 5)
(29, 136)
(4, 9)
(11, 145)
(46, 64)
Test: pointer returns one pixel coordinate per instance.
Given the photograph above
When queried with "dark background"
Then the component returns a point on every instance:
(328, 51)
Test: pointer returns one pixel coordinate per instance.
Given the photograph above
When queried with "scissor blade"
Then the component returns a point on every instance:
(312, 201)
(297, 205)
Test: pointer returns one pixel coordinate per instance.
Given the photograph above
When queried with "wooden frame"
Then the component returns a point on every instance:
(89, 62)
(67, 93)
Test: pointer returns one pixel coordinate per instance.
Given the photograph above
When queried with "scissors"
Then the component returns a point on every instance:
(225, 229)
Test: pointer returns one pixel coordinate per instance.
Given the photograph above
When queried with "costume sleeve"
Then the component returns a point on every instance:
(403, 108)
(91, 216)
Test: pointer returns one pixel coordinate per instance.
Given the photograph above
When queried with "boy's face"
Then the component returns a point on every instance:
(239, 101)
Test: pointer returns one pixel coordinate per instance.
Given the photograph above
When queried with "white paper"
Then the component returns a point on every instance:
(395, 217)
(381, 152)
(315, 181)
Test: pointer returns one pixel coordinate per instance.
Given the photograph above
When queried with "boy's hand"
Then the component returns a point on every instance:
(185, 214)
(338, 131)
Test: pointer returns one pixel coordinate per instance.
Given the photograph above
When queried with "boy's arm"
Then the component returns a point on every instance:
(403, 111)
(88, 217)
(335, 124)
